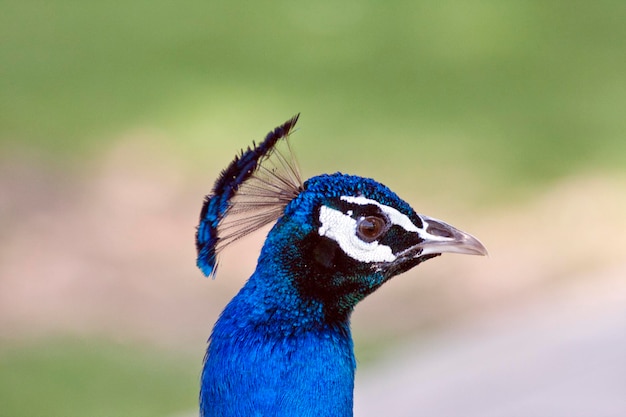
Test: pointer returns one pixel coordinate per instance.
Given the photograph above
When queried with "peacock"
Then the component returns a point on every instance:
(283, 346)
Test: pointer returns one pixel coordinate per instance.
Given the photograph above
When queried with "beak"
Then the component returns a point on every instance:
(439, 237)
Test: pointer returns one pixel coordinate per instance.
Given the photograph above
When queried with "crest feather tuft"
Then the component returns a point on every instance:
(250, 193)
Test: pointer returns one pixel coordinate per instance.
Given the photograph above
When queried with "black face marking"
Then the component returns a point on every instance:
(406, 263)
(399, 239)
(357, 210)
(325, 252)
(334, 279)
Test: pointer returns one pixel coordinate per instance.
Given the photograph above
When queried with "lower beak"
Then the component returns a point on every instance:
(439, 237)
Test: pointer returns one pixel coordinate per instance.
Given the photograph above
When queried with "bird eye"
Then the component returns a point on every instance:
(370, 228)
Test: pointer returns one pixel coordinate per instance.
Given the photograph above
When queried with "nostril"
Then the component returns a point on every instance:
(438, 230)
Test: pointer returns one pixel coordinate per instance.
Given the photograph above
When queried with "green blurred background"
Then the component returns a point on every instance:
(115, 117)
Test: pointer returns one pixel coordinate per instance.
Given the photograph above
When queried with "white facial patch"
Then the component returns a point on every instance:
(342, 229)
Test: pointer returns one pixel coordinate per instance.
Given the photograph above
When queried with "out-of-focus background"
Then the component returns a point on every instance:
(505, 118)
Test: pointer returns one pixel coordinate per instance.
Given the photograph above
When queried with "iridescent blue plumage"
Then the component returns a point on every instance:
(282, 346)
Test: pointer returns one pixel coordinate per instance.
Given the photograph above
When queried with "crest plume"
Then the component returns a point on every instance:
(250, 193)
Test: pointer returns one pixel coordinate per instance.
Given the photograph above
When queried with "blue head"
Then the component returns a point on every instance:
(337, 237)
(343, 236)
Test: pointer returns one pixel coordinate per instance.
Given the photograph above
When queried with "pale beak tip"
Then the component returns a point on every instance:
(469, 245)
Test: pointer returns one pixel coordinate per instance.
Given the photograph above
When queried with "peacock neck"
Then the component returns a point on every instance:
(272, 353)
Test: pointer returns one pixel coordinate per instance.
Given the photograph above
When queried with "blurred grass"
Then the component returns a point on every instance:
(99, 378)
(516, 91)
(96, 378)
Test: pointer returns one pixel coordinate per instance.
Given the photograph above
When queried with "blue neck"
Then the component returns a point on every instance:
(274, 353)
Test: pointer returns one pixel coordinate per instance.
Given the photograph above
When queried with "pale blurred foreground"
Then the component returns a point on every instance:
(558, 356)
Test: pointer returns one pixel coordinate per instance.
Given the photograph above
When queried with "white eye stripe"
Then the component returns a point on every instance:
(342, 229)
(394, 215)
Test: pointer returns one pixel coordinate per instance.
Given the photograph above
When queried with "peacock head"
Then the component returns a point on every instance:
(344, 236)
(337, 237)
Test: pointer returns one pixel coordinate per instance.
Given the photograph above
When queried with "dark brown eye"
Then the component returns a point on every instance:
(370, 228)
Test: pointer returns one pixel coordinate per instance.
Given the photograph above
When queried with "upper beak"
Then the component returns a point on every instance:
(440, 237)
